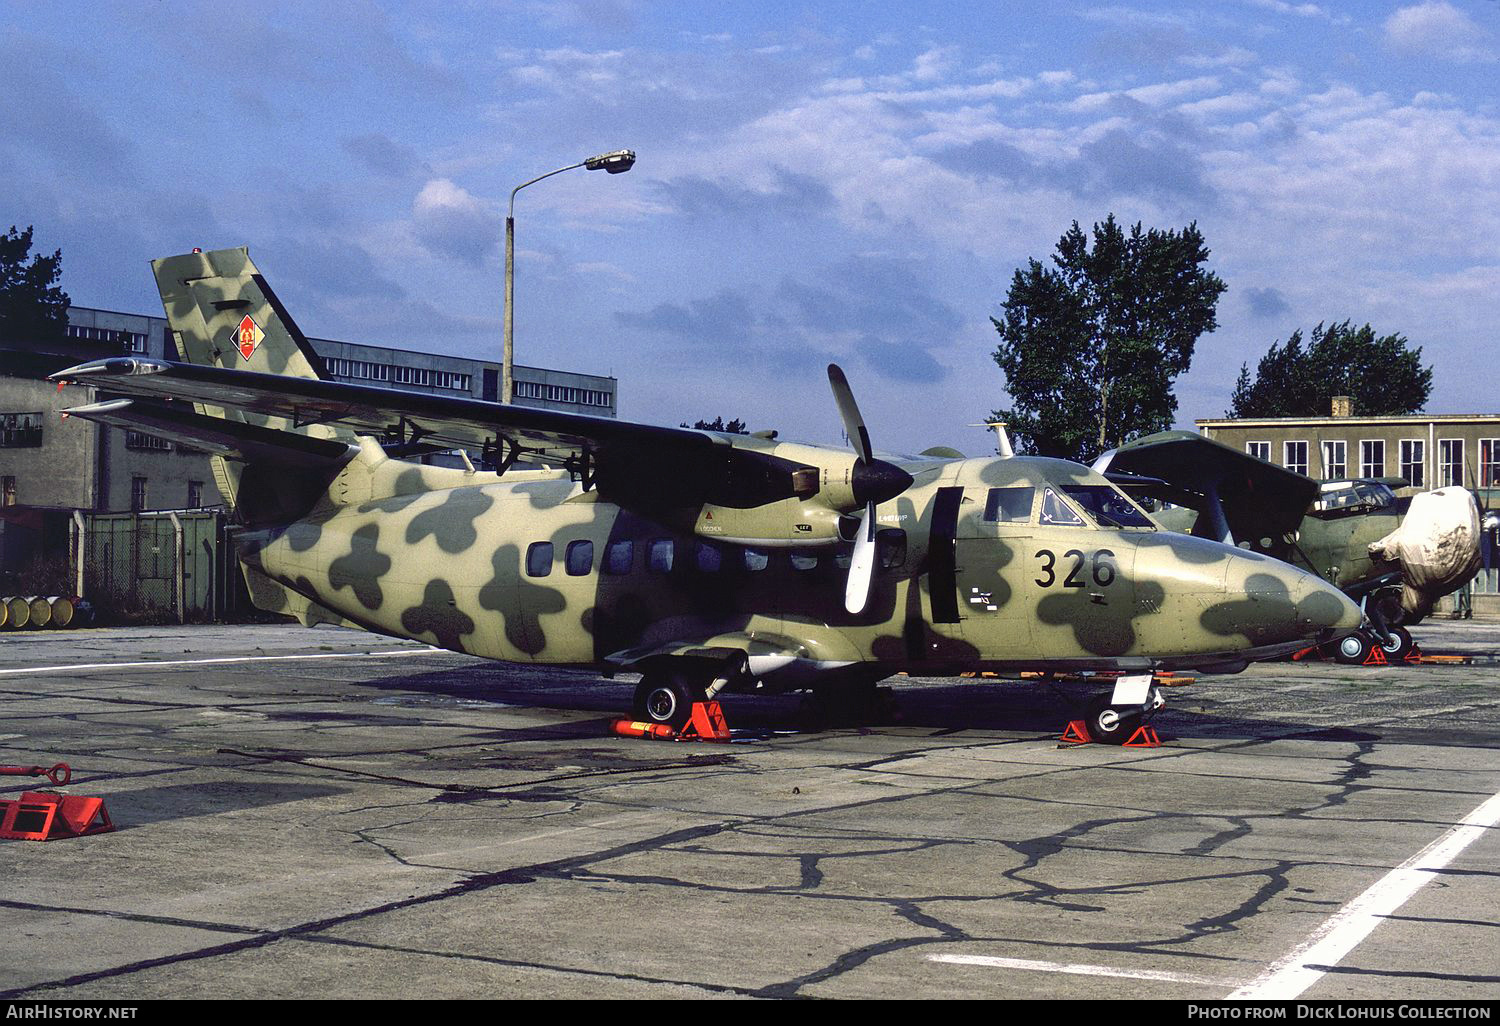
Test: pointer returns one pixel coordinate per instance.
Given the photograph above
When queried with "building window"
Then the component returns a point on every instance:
(195, 494)
(137, 493)
(1294, 456)
(1414, 461)
(1372, 457)
(20, 430)
(1450, 462)
(141, 440)
(7, 491)
(1489, 462)
(1260, 450)
(1335, 460)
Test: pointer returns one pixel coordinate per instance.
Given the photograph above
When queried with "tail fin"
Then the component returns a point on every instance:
(222, 313)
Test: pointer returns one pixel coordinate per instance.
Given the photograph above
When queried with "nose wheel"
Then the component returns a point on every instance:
(1109, 725)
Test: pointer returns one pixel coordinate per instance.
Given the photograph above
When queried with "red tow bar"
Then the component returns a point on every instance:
(59, 774)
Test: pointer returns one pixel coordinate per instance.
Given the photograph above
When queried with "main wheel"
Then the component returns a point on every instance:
(1353, 649)
(665, 699)
(1108, 725)
(1397, 644)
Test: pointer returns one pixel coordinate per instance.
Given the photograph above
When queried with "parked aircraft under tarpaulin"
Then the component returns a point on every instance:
(704, 561)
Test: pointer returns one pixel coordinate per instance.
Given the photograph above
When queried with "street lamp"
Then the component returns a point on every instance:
(615, 162)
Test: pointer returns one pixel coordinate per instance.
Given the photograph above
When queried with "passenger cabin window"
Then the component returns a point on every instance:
(1055, 512)
(659, 557)
(802, 561)
(1108, 507)
(755, 559)
(710, 559)
(1009, 505)
(539, 559)
(580, 558)
(618, 556)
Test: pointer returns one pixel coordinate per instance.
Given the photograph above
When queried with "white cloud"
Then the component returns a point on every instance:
(450, 222)
(1437, 29)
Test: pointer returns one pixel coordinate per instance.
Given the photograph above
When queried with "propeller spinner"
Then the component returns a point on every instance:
(874, 481)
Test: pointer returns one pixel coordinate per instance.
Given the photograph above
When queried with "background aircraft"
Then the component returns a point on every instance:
(1396, 557)
(701, 560)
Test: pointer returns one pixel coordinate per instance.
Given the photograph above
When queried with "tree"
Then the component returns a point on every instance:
(33, 309)
(1382, 375)
(1090, 347)
(734, 427)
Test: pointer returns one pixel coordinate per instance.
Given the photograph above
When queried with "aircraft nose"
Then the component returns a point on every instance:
(1274, 603)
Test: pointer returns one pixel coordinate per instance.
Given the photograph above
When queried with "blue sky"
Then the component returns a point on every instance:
(844, 182)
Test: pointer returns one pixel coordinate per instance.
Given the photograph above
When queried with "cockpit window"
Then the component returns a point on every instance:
(1057, 513)
(1360, 495)
(1108, 507)
(1009, 505)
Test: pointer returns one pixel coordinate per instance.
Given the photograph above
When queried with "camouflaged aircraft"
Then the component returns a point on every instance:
(1335, 529)
(704, 561)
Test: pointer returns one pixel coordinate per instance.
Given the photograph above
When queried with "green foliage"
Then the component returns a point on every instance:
(1090, 347)
(33, 309)
(1382, 375)
(734, 427)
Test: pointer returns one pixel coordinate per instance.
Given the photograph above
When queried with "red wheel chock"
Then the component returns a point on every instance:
(1415, 655)
(706, 723)
(44, 816)
(1376, 657)
(1077, 733)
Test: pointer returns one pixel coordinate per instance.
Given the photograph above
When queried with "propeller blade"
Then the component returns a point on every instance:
(861, 564)
(854, 424)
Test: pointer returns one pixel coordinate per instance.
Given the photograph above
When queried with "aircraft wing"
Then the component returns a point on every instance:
(1237, 493)
(636, 464)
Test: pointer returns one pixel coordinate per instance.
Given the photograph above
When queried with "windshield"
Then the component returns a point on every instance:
(1110, 508)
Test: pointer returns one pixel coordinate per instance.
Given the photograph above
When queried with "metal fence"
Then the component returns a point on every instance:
(157, 566)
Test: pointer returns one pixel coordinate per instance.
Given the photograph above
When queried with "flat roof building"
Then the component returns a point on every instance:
(1428, 450)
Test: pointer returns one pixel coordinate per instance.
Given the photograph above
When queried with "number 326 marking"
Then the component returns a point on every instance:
(1101, 564)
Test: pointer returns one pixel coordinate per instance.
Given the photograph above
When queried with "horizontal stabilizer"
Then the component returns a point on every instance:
(220, 437)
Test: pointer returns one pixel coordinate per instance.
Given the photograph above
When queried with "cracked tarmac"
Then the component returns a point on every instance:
(330, 814)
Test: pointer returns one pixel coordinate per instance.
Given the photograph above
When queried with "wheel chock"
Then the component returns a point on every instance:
(1144, 737)
(1077, 733)
(45, 816)
(706, 723)
(1415, 655)
(1376, 657)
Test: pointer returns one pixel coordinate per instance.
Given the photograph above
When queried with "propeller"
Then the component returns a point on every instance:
(874, 481)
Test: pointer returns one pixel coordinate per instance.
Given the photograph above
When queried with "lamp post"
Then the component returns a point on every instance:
(615, 162)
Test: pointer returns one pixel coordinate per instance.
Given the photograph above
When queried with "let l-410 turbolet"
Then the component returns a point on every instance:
(702, 560)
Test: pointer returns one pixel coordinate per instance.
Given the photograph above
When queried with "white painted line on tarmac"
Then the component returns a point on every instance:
(1075, 969)
(16, 672)
(1286, 979)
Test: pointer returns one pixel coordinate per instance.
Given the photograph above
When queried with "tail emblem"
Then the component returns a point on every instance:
(247, 336)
